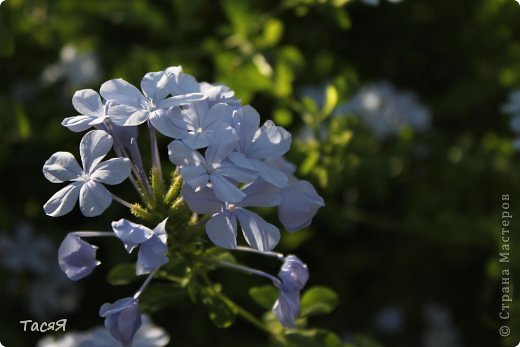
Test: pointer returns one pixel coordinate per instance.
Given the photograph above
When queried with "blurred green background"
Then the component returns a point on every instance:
(410, 235)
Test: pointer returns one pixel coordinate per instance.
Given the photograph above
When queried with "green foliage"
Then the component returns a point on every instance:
(318, 300)
(264, 296)
(122, 274)
(159, 296)
(312, 338)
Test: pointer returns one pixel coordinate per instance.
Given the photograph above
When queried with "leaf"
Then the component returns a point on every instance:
(282, 117)
(318, 300)
(309, 162)
(313, 338)
(331, 100)
(271, 34)
(122, 274)
(264, 296)
(159, 296)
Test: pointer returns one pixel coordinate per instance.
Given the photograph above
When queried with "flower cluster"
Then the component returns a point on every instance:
(512, 107)
(226, 163)
(386, 110)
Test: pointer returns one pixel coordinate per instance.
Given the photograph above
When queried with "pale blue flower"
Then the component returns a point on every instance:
(195, 123)
(92, 111)
(152, 243)
(299, 205)
(390, 320)
(222, 227)
(287, 308)
(78, 68)
(293, 275)
(128, 106)
(386, 110)
(218, 93)
(122, 319)
(87, 183)
(77, 258)
(258, 144)
(197, 170)
(26, 251)
(512, 107)
(131, 234)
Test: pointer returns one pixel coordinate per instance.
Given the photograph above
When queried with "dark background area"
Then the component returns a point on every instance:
(412, 221)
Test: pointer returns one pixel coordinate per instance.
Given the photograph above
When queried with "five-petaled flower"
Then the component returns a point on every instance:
(87, 183)
(222, 227)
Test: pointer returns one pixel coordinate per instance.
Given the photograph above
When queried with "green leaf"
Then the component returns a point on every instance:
(271, 34)
(313, 338)
(331, 100)
(159, 296)
(240, 15)
(282, 117)
(264, 296)
(122, 274)
(318, 300)
(310, 162)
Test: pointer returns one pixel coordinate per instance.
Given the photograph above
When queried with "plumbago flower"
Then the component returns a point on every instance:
(227, 164)
(87, 183)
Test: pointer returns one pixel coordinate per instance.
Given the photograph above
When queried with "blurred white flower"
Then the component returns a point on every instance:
(76, 67)
(52, 294)
(386, 110)
(48, 290)
(440, 330)
(389, 320)
(512, 107)
(25, 251)
(148, 335)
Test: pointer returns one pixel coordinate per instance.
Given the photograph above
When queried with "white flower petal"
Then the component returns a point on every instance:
(79, 123)
(88, 102)
(93, 148)
(121, 92)
(258, 233)
(94, 198)
(225, 190)
(112, 171)
(63, 201)
(153, 85)
(181, 155)
(164, 122)
(222, 230)
(61, 167)
(124, 115)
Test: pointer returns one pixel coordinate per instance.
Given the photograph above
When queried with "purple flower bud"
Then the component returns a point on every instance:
(293, 275)
(122, 319)
(76, 257)
(300, 202)
(287, 308)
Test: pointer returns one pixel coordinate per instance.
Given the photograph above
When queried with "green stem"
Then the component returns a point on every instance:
(245, 314)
